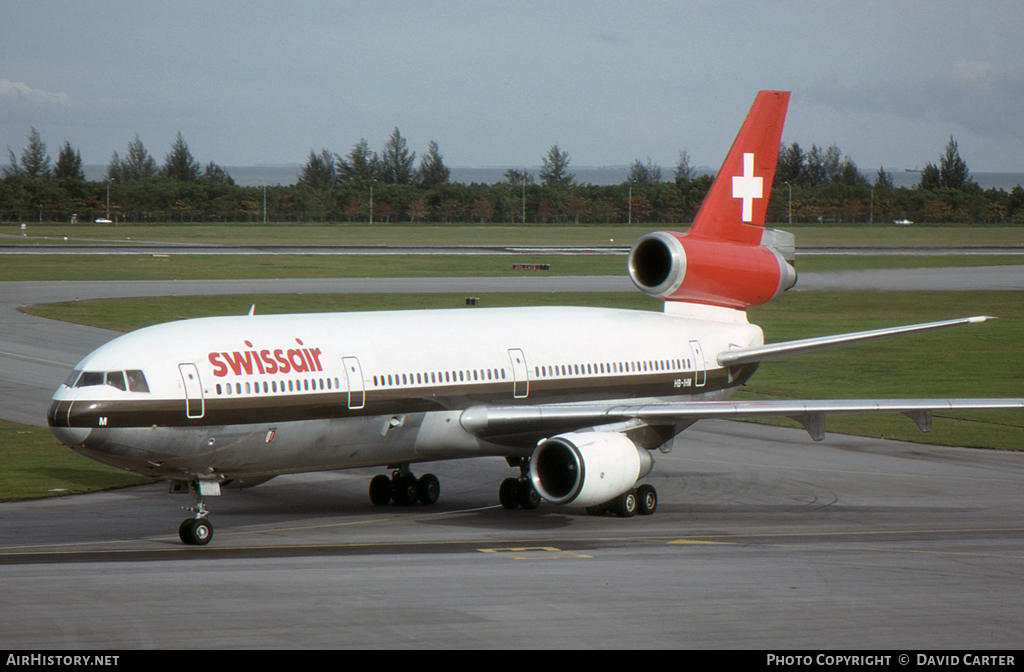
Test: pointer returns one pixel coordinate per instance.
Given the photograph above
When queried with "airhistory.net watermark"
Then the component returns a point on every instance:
(50, 660)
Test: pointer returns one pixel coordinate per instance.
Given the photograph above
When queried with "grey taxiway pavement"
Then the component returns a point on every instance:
(763, 538)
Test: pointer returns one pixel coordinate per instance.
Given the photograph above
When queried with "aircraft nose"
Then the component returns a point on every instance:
(71, 436)
(58, 418)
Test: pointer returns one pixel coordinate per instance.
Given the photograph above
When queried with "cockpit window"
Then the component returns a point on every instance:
(132, 380)
(90, 378)
(136, 381)
(116, 379)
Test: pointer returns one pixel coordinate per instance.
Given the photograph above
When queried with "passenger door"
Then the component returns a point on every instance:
(700, 375)
(354, 376)
(195, 407)
(520, 379)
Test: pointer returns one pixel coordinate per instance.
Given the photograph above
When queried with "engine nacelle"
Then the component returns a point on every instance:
(674, 267)
(587, 468)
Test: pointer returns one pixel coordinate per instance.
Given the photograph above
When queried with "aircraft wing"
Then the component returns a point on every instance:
(523, 422)
(775, 350)
(510, 421)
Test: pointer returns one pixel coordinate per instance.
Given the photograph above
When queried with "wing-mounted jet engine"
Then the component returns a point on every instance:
(593, 468)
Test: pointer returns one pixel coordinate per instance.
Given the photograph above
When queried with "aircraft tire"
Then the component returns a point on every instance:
(403, 489)
(428, 489)
(528, 496)
(647, 500)
(625, 505)
(183, 533)
(508, 493)
(195, 531)
(380, 490)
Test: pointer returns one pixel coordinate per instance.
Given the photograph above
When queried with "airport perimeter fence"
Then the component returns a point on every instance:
(164, 200)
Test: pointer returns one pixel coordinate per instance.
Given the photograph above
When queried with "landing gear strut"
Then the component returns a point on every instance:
(198, 530)
(404, 488)
(519, 492)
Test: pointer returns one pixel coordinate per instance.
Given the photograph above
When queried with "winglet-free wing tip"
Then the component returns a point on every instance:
(786, 348)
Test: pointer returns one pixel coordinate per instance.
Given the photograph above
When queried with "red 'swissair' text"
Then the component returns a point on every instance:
(266, 362)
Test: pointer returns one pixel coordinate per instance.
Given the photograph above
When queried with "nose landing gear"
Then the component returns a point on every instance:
(198, 530)
(195, 531)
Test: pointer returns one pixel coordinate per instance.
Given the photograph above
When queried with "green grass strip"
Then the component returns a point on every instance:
(30, 267)
(493, 234)
(33, 464)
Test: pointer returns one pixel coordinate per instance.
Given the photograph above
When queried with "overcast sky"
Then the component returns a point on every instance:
(497, 83)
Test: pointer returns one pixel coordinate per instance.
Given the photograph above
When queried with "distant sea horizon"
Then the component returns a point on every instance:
(288, 173)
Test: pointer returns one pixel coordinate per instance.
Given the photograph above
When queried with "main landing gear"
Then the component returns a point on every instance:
(519, 492)
(642, 500)
(404, 488)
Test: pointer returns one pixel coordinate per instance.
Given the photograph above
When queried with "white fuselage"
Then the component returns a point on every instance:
(259, 395)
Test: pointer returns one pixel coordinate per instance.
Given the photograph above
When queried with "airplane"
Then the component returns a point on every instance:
(578, 399)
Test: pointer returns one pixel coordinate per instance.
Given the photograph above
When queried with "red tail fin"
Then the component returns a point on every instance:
(727, 258)
(735, 207)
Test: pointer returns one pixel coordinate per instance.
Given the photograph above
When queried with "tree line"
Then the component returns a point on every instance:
(811, 185)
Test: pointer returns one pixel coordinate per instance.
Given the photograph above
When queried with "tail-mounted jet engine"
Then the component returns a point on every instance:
(675, 267)
(587, 468)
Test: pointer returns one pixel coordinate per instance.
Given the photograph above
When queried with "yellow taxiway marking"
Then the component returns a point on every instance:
(256, 529)
(860, 533)
(855, 472)
(765, 539)
(534, 553)
(913, 551)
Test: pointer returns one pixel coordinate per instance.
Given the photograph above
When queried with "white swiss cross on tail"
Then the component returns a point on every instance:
(748, 187)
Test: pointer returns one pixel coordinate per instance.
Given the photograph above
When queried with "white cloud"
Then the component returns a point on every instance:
(19, 91)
